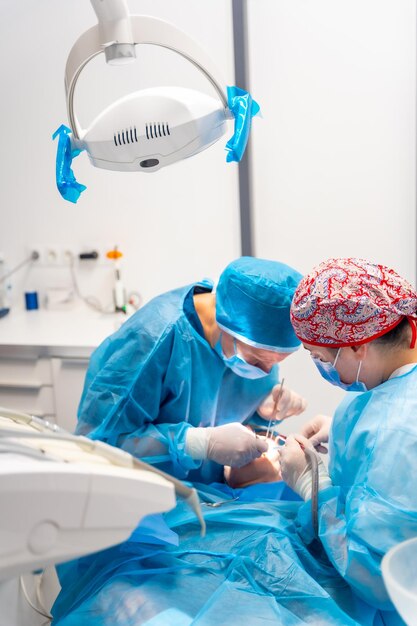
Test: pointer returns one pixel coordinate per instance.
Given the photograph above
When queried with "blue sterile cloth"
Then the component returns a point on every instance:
(250, 568)
(154, 529)
(244, 108)
(259, 561)
(67, 185)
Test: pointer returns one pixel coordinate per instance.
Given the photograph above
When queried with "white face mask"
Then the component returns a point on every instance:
(330, 373)
(237, 363)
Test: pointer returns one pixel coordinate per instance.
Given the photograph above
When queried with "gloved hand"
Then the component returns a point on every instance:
(290, 404)
(317, 431)
(296, 468)
(229, 444)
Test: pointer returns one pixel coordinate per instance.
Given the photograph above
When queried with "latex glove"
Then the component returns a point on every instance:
(290, 404)
(296, 468)
(317, 431)
(266, 469)
(229, 444)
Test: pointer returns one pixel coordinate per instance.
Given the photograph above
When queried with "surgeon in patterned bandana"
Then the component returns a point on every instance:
(357, 319)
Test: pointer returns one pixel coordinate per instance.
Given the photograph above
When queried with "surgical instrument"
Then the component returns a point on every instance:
(214, 505)
(312, 456)
(275, 409)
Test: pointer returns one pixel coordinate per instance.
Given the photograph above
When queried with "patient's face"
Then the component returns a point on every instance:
(266, 469)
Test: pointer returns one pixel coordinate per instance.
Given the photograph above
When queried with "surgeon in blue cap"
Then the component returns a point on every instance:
(176, 382)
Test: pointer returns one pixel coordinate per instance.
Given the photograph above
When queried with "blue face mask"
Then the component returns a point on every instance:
(330, 373)
(237, 363)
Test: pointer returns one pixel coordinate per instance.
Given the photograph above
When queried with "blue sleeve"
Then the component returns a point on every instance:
(358, 525)
(125, 388)
(355, 560)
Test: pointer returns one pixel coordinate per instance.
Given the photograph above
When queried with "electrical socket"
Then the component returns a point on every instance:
(52, 255)
(68, 255)
(39, 251)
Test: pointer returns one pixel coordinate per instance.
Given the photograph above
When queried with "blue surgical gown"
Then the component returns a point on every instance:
(373, 502)
(156, 377)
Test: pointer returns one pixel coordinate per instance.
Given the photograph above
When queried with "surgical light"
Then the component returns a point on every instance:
(154, 127)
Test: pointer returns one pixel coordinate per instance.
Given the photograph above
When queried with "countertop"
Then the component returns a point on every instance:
(71, 333)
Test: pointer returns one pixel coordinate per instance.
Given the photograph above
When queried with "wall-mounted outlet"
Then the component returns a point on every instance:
(52, 255)
(68, 256)
(35, 252)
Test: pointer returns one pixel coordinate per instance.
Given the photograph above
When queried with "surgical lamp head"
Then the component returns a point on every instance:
(150, 128)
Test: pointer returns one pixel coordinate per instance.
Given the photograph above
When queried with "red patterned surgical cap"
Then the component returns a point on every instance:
(345, 302)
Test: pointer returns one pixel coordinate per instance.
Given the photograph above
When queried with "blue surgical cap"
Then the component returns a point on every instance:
(253, 300)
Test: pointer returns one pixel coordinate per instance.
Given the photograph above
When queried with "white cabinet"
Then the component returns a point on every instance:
(68, 380)
(32, 372)
(37, 401)
(44, 356)
(26, 385)
(46, 386)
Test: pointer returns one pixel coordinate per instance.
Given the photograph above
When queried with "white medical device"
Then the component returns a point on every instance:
(399, 570)
(150, 128)
(64, 496)
(61, 497)
(60, 501)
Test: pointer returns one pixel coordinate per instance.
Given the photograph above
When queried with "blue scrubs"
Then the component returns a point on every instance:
(156, 377)
(373, 502)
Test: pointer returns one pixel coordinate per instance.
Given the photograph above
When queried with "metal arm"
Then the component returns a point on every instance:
(114, 20)
(145, 30)
(115, 30)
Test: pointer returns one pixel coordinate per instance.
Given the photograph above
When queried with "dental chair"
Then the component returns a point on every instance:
(64, 496)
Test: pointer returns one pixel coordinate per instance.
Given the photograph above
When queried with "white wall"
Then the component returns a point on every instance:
(334, 162)
(174, 226)
(333, 158)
